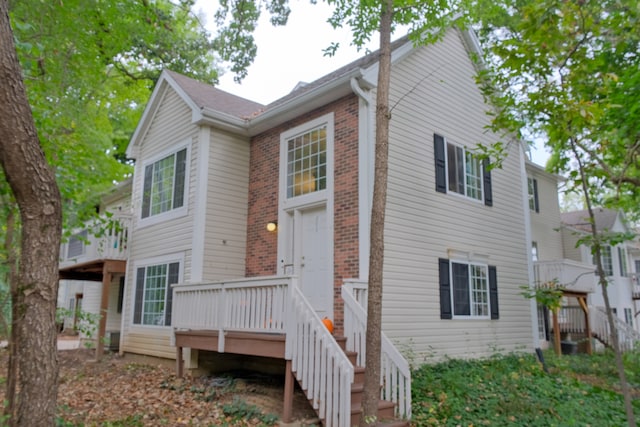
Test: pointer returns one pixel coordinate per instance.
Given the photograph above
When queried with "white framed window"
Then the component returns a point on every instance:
(628, 316)
(76, 244)
(532, 185)
(464, 172)
(164, 185)
(607, 260)
(468, 289)
(307, 162)
(153, 295)
(459, 171)
(622, 261)
(534, 251)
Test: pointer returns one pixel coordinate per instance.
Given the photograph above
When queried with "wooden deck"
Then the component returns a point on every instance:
(270, 317)
(245, 343)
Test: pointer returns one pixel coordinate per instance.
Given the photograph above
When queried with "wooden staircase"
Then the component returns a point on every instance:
(386, 409)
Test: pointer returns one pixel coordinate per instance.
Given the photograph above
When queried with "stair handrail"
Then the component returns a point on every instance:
(395, 375)
(321, 367)
(628, 337)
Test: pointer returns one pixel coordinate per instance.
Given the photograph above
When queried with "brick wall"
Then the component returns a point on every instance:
(263, 196)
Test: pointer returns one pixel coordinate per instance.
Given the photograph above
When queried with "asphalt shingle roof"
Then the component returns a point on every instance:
(605, 219)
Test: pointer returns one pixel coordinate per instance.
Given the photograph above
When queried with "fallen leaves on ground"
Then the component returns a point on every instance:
(134, 391)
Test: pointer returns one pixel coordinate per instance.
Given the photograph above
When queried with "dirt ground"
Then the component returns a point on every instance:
(144, 391)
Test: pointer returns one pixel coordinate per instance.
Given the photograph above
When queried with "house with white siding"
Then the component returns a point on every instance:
(250, 225)
(557, 255)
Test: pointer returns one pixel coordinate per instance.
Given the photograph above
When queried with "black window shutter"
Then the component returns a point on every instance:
(460, 288)
(440, 155)
(535, 195)
(486, 176)
(493, 292)
(146, 191)
(137, 307)
(178, 190)
(174, 268)
(120, 295)
(445, 289)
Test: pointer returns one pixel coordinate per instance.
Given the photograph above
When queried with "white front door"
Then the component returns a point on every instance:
(312, 258)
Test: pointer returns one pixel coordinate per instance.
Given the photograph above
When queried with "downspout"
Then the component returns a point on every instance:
(365, 176)
(528, 239)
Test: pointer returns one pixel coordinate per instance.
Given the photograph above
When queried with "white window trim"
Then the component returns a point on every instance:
(317, 196)
(446, 162)
(469, 261)
(173, 213)
(148, 262)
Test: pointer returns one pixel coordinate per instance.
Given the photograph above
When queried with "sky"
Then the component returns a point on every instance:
(293, 53)
(289, 54)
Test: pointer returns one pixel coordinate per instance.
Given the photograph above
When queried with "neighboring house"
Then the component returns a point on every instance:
(557, 256)
(619, 261)
(213, 169)
(94, 256)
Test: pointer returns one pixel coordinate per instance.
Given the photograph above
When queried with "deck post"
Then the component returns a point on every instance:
(104, 308)
(287, 412)
(179, 362)
(556, 332)
(587, 322)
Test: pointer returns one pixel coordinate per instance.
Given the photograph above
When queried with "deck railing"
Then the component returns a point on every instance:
(571, 275)
(274, 305)
(102, 239)
(395, 375)
(628, 338)
(571, 319)
(321, 367)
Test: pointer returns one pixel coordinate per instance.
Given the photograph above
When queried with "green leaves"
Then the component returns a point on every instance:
(569, 72)
(88, 80)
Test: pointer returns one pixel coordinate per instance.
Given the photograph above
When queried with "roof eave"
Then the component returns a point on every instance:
(219, 120)
(315, 98)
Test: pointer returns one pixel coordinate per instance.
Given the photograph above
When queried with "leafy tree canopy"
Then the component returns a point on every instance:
(569, 72)
(89, 67)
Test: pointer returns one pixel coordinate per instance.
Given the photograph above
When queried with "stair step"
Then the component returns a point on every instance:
(386, 411)
(358, 375)
(342, 342)
(357, 391)
(352, 356)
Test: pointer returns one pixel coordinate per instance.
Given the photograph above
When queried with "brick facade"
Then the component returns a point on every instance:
(262, 246)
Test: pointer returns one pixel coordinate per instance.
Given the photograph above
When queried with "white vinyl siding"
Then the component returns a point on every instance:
(170, 130)
(423, 225)
(545, 224)
(226, 207)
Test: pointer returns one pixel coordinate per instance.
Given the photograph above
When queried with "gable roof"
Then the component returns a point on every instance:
(205, 95)
(605, 219)
(215, 107)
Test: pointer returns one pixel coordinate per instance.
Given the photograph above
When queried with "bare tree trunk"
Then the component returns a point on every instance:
(34, 187)
(602, 280)
(376, 258)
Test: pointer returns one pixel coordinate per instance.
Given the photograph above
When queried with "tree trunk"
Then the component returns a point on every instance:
(602, 279)
(10, 248)
(34, 187)
(376, 258)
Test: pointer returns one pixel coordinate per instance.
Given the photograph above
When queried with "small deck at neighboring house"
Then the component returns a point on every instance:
(270, 317)
(595, 324)
(571, 275)
(97, 253)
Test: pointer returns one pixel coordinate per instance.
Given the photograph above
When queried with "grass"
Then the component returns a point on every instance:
(513, 389)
